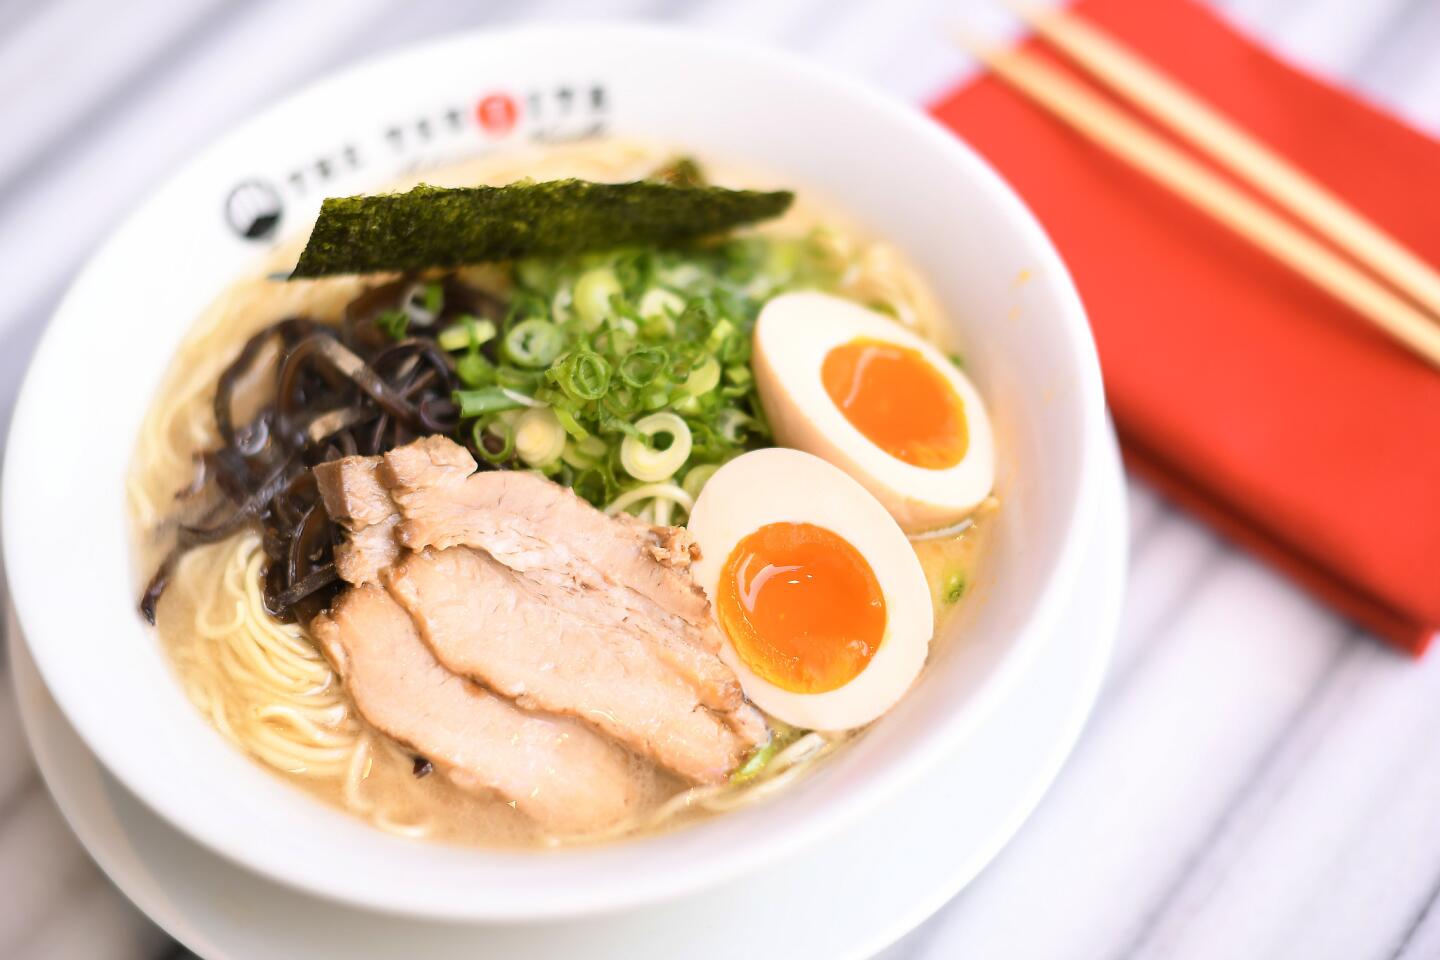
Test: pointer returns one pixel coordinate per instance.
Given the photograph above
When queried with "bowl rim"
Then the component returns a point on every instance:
(130, 767)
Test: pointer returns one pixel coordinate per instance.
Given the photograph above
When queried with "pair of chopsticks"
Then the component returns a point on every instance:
(1110, 62)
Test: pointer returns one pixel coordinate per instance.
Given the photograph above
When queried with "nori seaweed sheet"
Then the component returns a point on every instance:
(452, 227)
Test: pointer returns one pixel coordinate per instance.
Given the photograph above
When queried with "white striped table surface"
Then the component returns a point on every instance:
(1259, 778)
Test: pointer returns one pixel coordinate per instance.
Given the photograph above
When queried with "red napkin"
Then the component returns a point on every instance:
(1238, 389)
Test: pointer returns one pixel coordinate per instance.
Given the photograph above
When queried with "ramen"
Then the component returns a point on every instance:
(571, 541)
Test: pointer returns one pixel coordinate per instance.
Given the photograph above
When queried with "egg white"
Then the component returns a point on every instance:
(779, 485)
(793, 335)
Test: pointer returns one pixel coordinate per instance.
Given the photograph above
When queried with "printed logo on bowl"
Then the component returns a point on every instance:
(255, 207)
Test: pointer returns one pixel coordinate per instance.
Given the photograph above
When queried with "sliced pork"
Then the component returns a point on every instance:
(530, 524)
(557, 771)
(355, 498)
(517, 583)
(530, 639)
(544, 530)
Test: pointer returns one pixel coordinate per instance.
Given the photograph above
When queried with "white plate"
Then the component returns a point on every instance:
(862, 890)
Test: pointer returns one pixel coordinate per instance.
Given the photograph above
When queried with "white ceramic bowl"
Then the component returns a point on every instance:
(899, 175)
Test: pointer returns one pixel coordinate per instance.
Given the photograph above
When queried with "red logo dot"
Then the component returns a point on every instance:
(497, 113)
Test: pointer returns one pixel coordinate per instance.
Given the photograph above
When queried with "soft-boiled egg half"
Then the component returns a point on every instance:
(857, 389)
(822, 603)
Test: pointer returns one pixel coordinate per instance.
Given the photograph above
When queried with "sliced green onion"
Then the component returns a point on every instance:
(657, 303)
(697, 476)
(782, 261)
(730, 423)
(524, 380)
(734, 350)
(683, 276)
(634, 269)
(622, 403)
(469, 333)
(609, 424)
(481, 431)
(756, 762)
(572, 457)
(571, 425)
(651, 491)
(783, 739)
(393, 323)
(533, 272)
(593, 291)
(641, 367)
(614, 341)
(704, 378)
(593, 485)
(474, 370)
(539, 437)
(595, 346)
(649, 464)
(561, 305)
(954, 587)
(721, 332)
(680, 368)
(583, 454)
(474, 403)
(584, 375)
(533, 343)
(423, 302)
(658, 328)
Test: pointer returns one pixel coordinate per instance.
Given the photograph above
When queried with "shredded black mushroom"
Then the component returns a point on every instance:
(327, 392)
(423, 768)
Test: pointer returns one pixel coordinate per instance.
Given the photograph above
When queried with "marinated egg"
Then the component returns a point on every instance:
(822, 603)
(857, 389)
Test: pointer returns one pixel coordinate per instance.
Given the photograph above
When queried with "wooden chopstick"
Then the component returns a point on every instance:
(1132, 142)
(1119, 68)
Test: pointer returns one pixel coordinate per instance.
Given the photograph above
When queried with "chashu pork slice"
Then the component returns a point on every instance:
(557, 771)
(530, 639)
(529, 523)
(533, 526)
(628, 572)
(357, 500)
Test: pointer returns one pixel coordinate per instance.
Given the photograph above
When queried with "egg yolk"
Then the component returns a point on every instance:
(801, 606)
(898, 400)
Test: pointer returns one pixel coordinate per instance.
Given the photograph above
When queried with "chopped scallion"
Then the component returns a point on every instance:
(640, 367)
(592, 296)
(434, 299)
(495, 441)
(393, 323)
(595, 347)
(533, 343)
(474, 403)
(704, 378)
(470, 333)
(583, 375)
